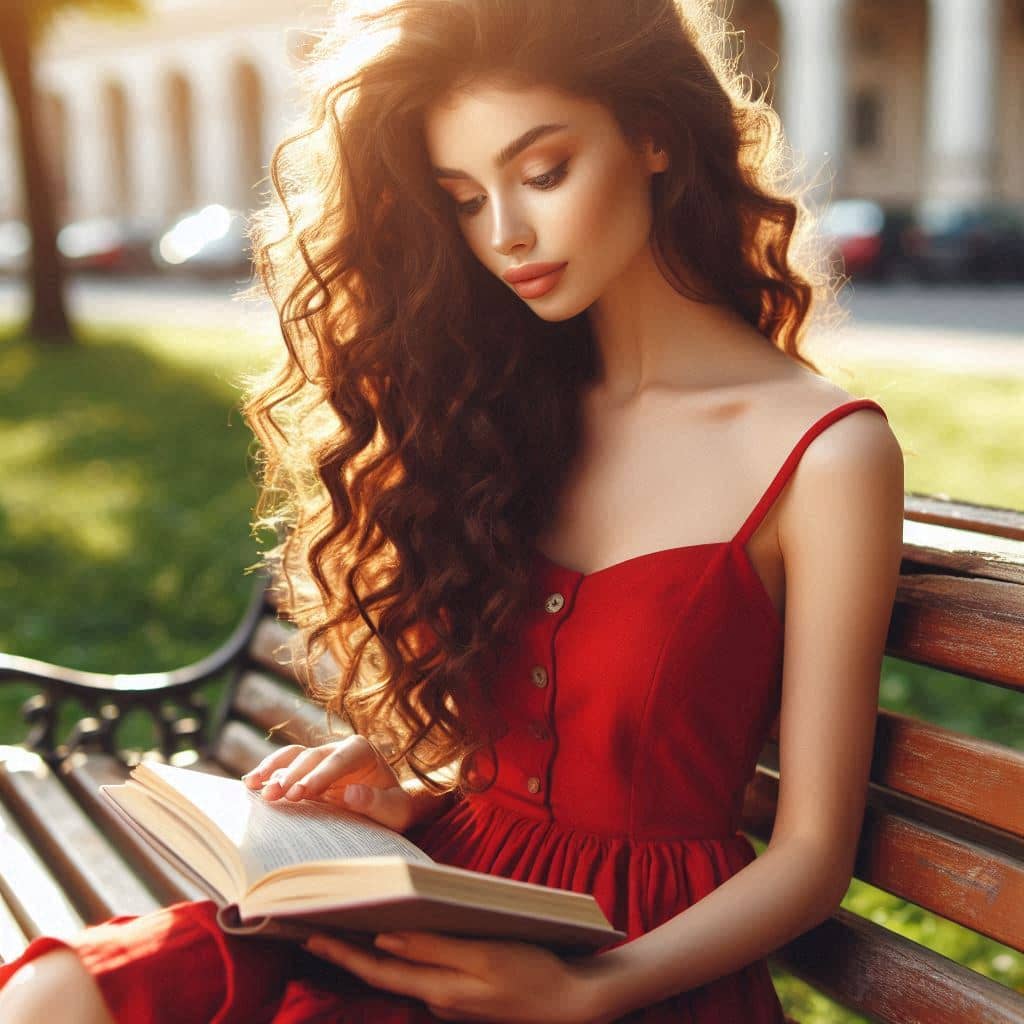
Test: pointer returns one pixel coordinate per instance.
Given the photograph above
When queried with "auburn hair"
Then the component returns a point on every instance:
(413, 436)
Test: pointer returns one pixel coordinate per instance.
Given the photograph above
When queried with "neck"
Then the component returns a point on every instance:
(649, 337)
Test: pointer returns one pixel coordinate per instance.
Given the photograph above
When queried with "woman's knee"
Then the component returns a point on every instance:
(54, 986)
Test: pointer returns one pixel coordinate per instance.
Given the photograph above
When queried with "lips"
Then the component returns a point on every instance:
(535, 287)
(527, 272)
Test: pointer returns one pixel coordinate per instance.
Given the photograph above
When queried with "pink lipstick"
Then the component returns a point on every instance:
(534, 279)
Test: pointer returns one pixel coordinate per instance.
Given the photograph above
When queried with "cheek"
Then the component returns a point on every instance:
(476, 233)
(611, 217)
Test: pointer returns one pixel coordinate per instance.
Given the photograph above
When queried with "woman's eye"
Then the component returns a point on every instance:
(545, 181)
(467, 209)
(554, 176)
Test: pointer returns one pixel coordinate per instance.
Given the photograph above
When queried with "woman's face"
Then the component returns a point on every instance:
(575, 194)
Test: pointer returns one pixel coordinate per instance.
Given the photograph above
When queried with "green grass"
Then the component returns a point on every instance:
(960, 432)
(124, 536)
(127, 498)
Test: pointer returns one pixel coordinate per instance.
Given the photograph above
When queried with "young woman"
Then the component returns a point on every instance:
(572, 512)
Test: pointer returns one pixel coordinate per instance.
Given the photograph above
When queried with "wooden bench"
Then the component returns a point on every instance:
(944, 826)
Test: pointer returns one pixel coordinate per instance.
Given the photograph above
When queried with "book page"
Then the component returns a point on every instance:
(271, 835)
(176, 838)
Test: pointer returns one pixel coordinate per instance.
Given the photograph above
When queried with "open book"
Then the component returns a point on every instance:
(284, 870)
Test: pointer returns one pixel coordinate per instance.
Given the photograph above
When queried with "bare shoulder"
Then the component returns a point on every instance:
(852, 468)
(862, 437)
(799, 399)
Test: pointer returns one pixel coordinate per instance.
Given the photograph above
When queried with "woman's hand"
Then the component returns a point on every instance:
(349, 773)
(475, 979)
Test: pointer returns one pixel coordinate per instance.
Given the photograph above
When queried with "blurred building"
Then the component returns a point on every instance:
(908, 99)
(149, 117)
(889, 99)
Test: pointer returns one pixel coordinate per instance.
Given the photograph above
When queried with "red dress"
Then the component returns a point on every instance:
(638, 698)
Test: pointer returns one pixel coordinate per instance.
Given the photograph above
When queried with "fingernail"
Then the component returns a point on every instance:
(356, 794)
(295, 791)
(390, 941)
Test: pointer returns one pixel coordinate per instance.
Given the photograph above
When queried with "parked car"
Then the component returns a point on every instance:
(107, 245)
(872, 240)
(211, 240)
(969, 240)
(98, 244)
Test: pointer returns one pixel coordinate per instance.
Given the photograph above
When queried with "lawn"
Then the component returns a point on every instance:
(125, 536)
(127, 498)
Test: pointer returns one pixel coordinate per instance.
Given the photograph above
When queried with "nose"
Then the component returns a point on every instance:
(510, 228)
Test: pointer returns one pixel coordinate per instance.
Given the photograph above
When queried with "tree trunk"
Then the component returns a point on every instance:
(48, 320)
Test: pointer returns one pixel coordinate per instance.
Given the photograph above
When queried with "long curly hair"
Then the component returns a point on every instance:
(413, 437)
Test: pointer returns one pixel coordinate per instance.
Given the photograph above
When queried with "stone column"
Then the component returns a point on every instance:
(149, 141)
(280, 101)
(90, 151)
(962, 54)
(813, 87)
(10, 172)
(216, 129)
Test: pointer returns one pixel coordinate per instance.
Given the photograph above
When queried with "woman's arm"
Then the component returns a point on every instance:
(841, 537)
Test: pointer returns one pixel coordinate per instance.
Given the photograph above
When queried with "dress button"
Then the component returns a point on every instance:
(533, 784)
(538, 730)
(539, 676)
(554, 602)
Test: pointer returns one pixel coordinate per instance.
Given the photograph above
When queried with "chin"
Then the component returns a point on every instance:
(556, 316)
(557, 308)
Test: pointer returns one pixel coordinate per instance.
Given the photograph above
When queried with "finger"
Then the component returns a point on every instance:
(282, 779)
(341, 763)
(279, 758)
(392, 807)
(387, 972)
(471, 956)
(445, 1014)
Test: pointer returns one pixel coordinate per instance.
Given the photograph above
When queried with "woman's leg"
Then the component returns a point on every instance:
(170, 966)
(53, 986)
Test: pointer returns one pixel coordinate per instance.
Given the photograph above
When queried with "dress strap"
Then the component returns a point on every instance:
(782, 476)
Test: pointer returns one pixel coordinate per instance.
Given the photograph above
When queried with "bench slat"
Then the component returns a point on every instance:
(985, 519)
(240, 748)
(12, 939)
(211, 768)
(977, 778)
(32, 897)
(96, 877)
(265, 650)
(973, 627)
(280, 710)
(875, 971)
(971, 776)
(978, 564)
(970, 884)
(83, 775)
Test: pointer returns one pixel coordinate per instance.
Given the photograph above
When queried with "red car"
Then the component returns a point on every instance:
(871, 241)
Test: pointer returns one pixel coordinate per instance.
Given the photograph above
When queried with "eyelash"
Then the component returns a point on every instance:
(558, 173)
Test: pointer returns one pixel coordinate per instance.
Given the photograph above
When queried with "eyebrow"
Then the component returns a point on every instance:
(509, 152)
